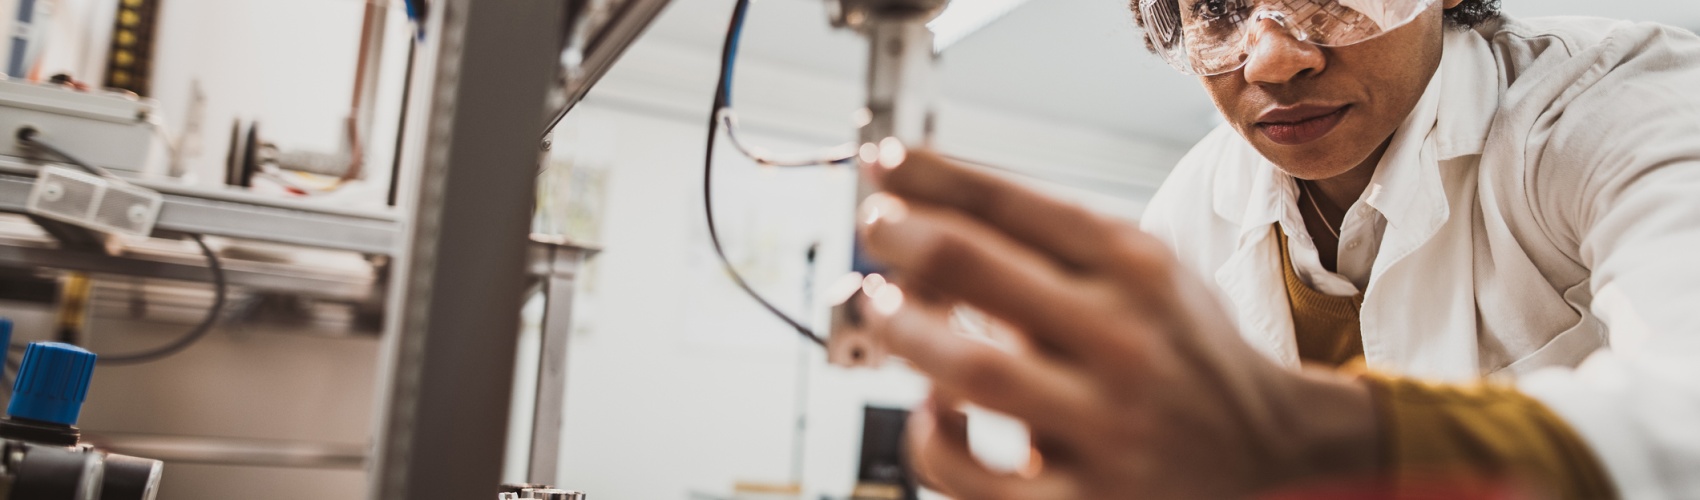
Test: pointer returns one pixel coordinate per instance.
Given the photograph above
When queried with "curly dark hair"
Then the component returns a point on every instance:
(1466, 15)
(1472, 13)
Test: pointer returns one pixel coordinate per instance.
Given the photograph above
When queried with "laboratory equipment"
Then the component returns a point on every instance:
(253, 154)
(129, 61)
(898, 114)
(901, 63)
(108, 130)
(537, 492)
(460, 271)
(96, 202)
(458, 251)
(41, 453)
(883, 473)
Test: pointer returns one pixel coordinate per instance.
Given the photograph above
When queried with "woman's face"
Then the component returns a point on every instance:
(1319, 112)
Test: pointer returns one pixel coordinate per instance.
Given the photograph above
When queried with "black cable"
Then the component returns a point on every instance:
(836, 156)
(28, 136)
(220, 287)
(723, 100)
(401, 123)
(194, 335)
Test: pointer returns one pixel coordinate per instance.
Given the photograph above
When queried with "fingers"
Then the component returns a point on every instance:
(938, 443)
(1035, 389)
(950, 253)
(1076, 236)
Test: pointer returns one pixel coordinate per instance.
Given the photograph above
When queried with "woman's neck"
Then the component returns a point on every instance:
(1329, 200)
(1341, 191)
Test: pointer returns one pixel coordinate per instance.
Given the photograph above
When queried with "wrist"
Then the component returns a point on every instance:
(1337, 426)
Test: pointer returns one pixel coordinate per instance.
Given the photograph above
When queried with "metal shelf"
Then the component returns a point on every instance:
(229, 213)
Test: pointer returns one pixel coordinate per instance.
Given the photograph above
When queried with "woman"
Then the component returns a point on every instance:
(1431, 239)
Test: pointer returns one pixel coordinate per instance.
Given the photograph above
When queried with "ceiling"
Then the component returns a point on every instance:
(1075, 61)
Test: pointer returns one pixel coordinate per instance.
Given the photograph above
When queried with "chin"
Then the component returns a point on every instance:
(1325, 158)
(1309, 162)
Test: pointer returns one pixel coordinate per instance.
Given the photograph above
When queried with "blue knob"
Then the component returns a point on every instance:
(52, 383)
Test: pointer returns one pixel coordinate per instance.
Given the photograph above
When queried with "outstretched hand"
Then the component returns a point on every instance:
(1131, 377)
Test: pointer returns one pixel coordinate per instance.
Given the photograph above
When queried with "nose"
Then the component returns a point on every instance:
(1275, 56)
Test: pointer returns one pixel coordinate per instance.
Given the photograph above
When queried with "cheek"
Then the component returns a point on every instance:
(1226, 91)
(1393, 70)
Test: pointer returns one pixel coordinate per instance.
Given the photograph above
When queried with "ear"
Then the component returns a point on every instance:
(1453, 3)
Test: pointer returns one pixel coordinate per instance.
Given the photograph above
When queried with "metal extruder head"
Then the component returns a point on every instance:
(901, 66)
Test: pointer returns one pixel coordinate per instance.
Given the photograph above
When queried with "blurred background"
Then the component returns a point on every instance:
(678, 385)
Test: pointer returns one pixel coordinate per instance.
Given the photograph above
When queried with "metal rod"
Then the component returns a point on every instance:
(232, 451)
(363, 100)
(632, 18)
(547, 417)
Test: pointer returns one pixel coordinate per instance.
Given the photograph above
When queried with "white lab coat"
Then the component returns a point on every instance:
(1543, 227)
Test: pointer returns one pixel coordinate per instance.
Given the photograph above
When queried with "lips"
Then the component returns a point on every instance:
(1296, 125)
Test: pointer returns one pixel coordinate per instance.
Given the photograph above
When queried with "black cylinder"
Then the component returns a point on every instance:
(54, 473)
(131, 478)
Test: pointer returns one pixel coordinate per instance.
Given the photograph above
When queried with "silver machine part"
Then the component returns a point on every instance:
(901, 90)
(557, 270)
(99, 203)
(349, 162)
(106, 129)
(539, 492)
(41, 472)
(131, 478)
(553, 494)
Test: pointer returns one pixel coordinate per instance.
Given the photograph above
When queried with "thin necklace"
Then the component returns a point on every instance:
(1306, 187)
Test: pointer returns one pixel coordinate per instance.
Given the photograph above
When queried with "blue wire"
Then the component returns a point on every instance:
(723, 100)
(738, 15)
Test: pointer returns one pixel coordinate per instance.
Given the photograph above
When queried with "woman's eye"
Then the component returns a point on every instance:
(1209, 10)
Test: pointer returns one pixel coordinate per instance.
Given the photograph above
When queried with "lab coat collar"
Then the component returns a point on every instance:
(1469, 78)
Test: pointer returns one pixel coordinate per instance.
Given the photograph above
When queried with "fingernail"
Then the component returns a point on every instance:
(892, 153)
(869, 154)
(888, 300)
(844, 288)
(883, 207)
(872, 283)
(862, 117)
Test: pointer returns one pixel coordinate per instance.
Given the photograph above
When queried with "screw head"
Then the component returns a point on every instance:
(53, 191)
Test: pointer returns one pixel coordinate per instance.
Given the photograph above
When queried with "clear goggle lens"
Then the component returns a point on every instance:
(1208, 37)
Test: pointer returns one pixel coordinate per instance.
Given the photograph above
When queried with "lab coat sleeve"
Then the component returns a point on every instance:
(1618, 179)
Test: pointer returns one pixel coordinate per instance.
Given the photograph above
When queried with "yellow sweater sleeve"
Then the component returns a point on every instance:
(1430, 430)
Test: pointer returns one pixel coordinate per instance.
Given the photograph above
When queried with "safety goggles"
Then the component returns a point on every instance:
(1211, 37)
